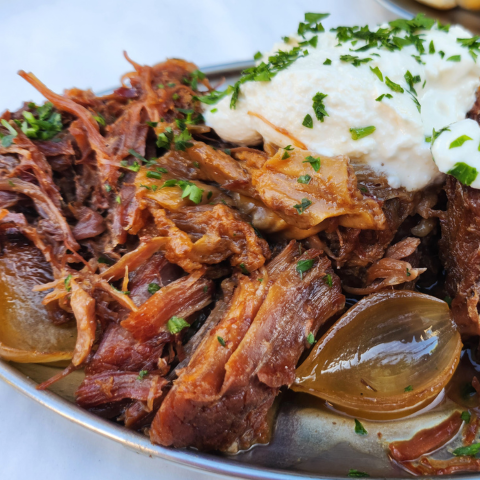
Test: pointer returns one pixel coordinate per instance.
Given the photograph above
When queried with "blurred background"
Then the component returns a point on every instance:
(80, 43)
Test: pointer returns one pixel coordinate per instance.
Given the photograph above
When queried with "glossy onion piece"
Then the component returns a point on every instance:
(388, 356)
(27, 335)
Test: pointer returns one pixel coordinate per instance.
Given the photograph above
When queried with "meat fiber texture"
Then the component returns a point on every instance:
(221, 399)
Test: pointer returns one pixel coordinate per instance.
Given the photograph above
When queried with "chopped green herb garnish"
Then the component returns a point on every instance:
(175, 96)
(176, 325)
(118, 199)
(160, 85)
(304, 179)
(458, 142)
(431, 48)
(468, 451)
(258, 56)
(209, 195)
(170, 84)
(195, 76)
(466, 416)
(135, 167)
(153, 287)
(359, 428)
(105, 260)
(311, 338)
(142, 374)
(314, 162)
(454, 58)
(100, 120)
(441, 53)
(419, 60)
(196, 164)
(302, 206)
(411, 80)
(377, 72)
(463, 173)
(436, 134)
(43, 127)
(354, 60)
(352, 473)
(108, 188)
(260, 280)
(319, 107)
(328, 280)
(151, 124)
(214, 110)
(380, 98)
(7, 140)
(66, 282)
(221, 341)
(244, 269)
(155, 175)
(448, 300)
(408, 273)
(304, 266)
(308, 121)
(393, 86)
(358, 133)
(327, 62)
(189, 189)
(408, 389)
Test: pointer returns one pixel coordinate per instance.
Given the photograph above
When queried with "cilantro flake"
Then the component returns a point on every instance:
(302, 206)
(458, 142)
(359, 428)
(315, 162)
(358, 133)
(176, 325)
(464, 173)
(153, 287)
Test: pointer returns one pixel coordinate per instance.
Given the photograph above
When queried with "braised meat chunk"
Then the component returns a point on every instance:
(221, 399)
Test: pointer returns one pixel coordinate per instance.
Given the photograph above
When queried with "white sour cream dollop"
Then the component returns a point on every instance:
(457, 151)
(397, 149)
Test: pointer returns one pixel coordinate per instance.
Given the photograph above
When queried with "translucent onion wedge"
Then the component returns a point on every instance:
(388, 356)
(27, 335)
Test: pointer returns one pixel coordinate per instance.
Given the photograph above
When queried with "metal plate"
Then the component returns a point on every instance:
(409, 8)
(309, 440)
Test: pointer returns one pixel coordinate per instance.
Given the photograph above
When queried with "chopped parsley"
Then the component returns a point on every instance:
(314, 162)
(258, 56)
(244, 269)
(352, 473)
(466, 416)
(328, 280)
(175, 96)
(100, 119)
(436, 134)
(151, 124)
(153, 287)
(354, 60)
(408, 389)
(441, 53)
(412, 80)
(308, 121)
(45, 125)
(195, 76)
(359, 428)
(460, 141)
(142, 374)
(431, 48)
(454, 58)
(311, 338)
(66, 282)
(189, 189)
(221, 341)
(105, 260)
(408, 273)
(304, 266)
(135, 167)
(214, 110)
(327, 62)
(302, 206)
(118, 199)
(419, 60)
(180, 141)
(393, 86)
(176, 325)
(7, 140)
(377, 72)
(358, 133)
(469, 451)
(304, 179)
(155, 175)
(318, 106)
(381, 97)
(108, 188)
(463, 173)
(448, 300)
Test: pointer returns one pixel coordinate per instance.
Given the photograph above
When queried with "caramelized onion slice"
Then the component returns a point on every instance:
(27, 335)
(389, 355)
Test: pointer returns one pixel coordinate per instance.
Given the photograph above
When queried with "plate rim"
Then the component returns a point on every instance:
(191, 459)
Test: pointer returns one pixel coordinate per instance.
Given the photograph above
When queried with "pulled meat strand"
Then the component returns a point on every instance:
(180, 298)
(115, 386)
